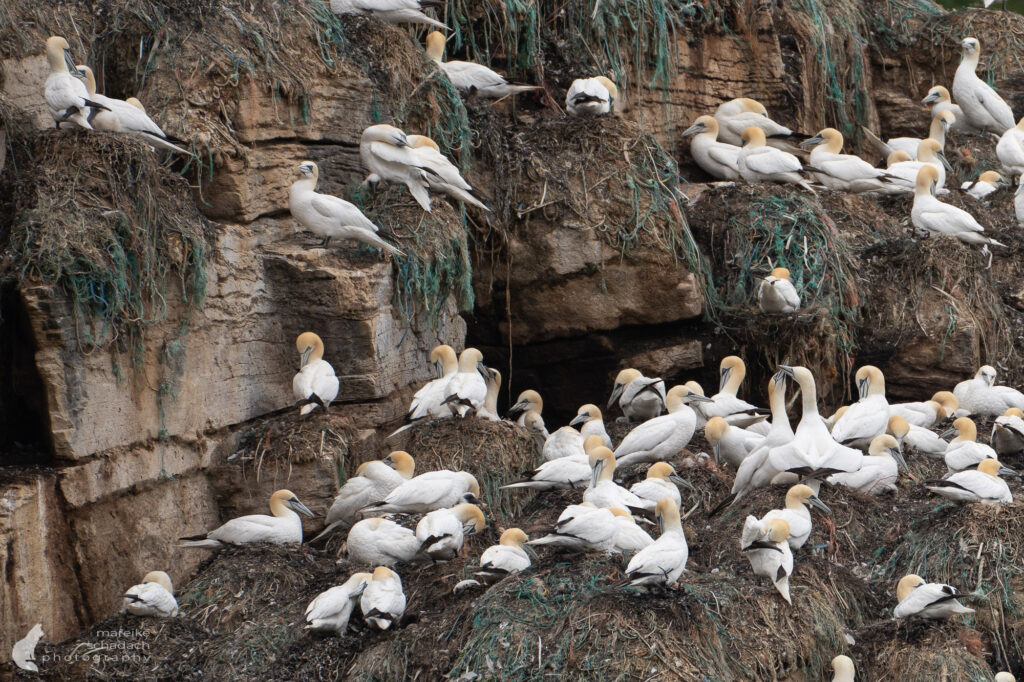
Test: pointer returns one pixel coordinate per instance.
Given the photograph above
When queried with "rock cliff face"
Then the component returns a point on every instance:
(586, 265)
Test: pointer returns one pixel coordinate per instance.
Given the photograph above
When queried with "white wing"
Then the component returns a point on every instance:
(340, 210)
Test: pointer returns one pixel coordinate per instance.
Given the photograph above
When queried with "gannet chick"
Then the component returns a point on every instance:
(931, 215)
(373, 542)
(315, 383)
(917, 438)
(154, 596)
(941, 123)
(1010, 150)
(982, 106)
(442, 175)
(534, 425)
(661, 482)
(385, 152)
(505, 558)
(926, 600)
(730, 443)
(284, 527)
(23, 653)
(583, 528)
(372, 483)
(987, 183)
(664, 561)
(926, 413)
(476, 79)
(383, 601)
(1008, 433)
(760, 163)
(797, 513)
(429, 491)
(468, 388)
(66, 96)
(839, 171)
(603, 491)
(776, 293)
(879, 470)
(964, 451)
(330, 217)
(429, 400)
(640, 398)
(904, 174)
(664, 437)
(591, 423)
(442, 531)
(938, 97)
(390, 11)
(717, 159)
(489, 410)
(843, 668)
(980, 396)
(756, 470)
(765, 546)
(591, 96)
(869, 416)
(725, 404)
(735, 116)
(629, 537)
(331, 610)
(975, 485)
(529, 400)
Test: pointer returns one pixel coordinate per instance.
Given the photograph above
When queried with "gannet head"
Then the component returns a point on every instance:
(586, 413)
(842, 666)
(591, 442)
(714, 432)
(309, 171)
(885, 444)
(778, 530)
(731, 369)
(898, 427)
(58, 56)
(528, 401)
(666, 512)
(703, 124)
(753, 137)
(906, 585)
(830, 138)
(385, 133)
(970, 46)
(602, 461)
(470, 516)
(621, 380)
(472, 484)
(609, 85)
(444, 359)
(1005, 677)
(800, 495)
(927, 179)
(753, 106)
(897, 156)
(134, 101)
(801, 375)
(435, 45)
(694, 387)
(513, 537)
(402, 462)
(89, 77)
(992, 177)
(988, 373)
(870, 381)
(930, 151)
(992, 467)
(471, 360)
(948, 401)
(779, 273)
(418, 141)
(161, 579)
(1014, 412)
(383, 573)
(678, 396)
(662, 470)
(938, 93)
(284, 500)
(965, 429)
(310, 347)
(946, 119)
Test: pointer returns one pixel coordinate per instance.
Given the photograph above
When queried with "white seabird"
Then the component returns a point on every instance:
(528, 401)
(987, 183)
(475, 79)
(1008, 433)
(372, 482)
(731, 371)
(982, 106)
(663, 437)
(583, 528)
(981, 485)
(373, 542)
(383, 600)
(331, 610)
(429, 399)
(467, 390)
(1010, 150)
(489, 411)
(505, 558)
(640, 398)
(765, 545)
(760, 163)
(330, 217)
(562, 443)
(442, 174)
(661, 482)
(931, 215)
(756, 471)
(390, 11)
(869, 416)
(980, 396)
(735, 116)
(903, 175)
(591, 423)
(23, 653)
(429, 491)
(442, 531)
(664, 561)
(154, 596)
(593, 96)
(917, 438)
(315, 383)
(385, 152)
(603, 491)
(926, 600)
(879, 469)
(629, 537)
(284, 527)
(842, 667)
(844, 172)
(964, 451)
(797, 514)
(66, 96)
(941, 123)
(925, 413)
(718, 159)
(938, 97)
(776, 293)
(568, 471)
(730, 443)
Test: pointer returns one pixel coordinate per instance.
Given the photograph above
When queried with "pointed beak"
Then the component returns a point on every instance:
(718, 453)
(862, 388)
(519, 408)
(724, 378)
(399, 140)
(786, 370)
(679, 480)
(898, 456)
(696, 398)
(933, 97)
(947, 433)
(1007, 471)
(945, 162)
(305, 355)
(299, 507)
(694, 129)
(814, 501)
(596, 474)
(359, 590)
(72, 67)
(813, 141)
(482, 371)
(580, 419)
(616, 392)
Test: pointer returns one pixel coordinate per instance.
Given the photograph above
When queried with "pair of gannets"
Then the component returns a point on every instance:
(664, 560)
(942, 123)
(413, 160)
(718, 159)
(980, 396)
(328, 216)
(983, 108)
(879, 469)
(844, 172)
(283, 527)
(66, 95)
(373, 482)
(764, 543)
(463, 387)
(664, 437)
(797, 514)
(475, 79)
(987, 183)
(1008, 433)
(154, 596)
(926, 600)
(390, 11)
(981, 485)
(938, 97)
(315, 383)
(757, 162)
(869, 416)
(505, 558)
(933, 216)
(528, 401)
(736, 115)
(381, 601)
(591, 96)
(926, 413)
(1010, 150)
(640, 398)
(776, 293)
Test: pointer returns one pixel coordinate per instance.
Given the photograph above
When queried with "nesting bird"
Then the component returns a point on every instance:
(718, 159)
(428, 401)
(372, 482)
(964, 451)
(797, 514)
(154, 596)
(640, 398)
(982, 397)
(933, 216)
(879, 469)
(1010, 150)
(927, 600)
(283, 527)
(591, 96)
(505, 558)
(66, 96)
(938, 97)
(661, 482)
(981, 485)
(475, 79)
(583, 528)
(842, 667)
(662, 562)
(758, 162)
(390, 11)
(765, 545)
(663, 437)
(731, 372)
(987, 183)
(441, 174)
(315, 383)
(383, 600)
(429, 491)
(442, 531)
(736, 115)
(840, 171)
(776, 293)
(869, 416)
(331, 610)
(1008, 433)
(942, 122)
(983, 108)
(385, 152)
(373, 542)
(730, 443)
(603, 491)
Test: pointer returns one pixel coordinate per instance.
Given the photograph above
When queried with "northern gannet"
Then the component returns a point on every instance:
(917, 438)
(1010, 150)
(66, 96)
(330, 217)
(839, 171)
(776, 293)
(372, 483)
(760, 163)
(975, 485)
(284, 527)
(987, 183)
(154, 596)
(869, 416)
(315, 383)
(756, 470)
(629, 537)
(983, 108)
(385, 152)
(926, 600)
(429, 400)
(381, 542)
(1004, 676)
(331, 610)
(980, 396)
(926, 413)
(842, 667)
(442, 175)
(568, 471)
(468, 388)
(836, 416)
(383, 600)
(528, 401)
(1008, 433)
(964, 451)
(23, 653)
(904, 174)
(941, 123)
(593, 96)
(938, 97)
(390, 11)
(640, 398)
(735, 116)
(442, 531)
(564, 442)
(765, 545)
(603, 491)
(476, 79)
(797, 513)
(731, 372)
(664, 437)
(879, 469)
(505, 558)
(718, 159)
(429, 491)
(591, 423)
(730, 443)
(489, 410)
(583, 528)
(664, 561)
(931, 215)
(661, 481)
